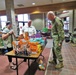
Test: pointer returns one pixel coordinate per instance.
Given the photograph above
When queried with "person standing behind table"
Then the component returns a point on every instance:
(8, 38)
(58, 37)
(29, 28)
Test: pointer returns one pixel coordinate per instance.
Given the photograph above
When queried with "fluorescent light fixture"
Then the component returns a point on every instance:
(65, 11)
(37, 11)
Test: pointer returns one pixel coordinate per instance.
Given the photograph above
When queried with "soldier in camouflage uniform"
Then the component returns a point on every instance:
(58, 37)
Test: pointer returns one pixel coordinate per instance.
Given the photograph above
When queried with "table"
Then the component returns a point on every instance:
(31, 56)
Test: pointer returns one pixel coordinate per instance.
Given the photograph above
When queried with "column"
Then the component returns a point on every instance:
(0, 22)
(11, 13)
(75, 19)
(71, 21)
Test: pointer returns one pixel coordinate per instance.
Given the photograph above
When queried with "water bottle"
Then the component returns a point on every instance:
(25, 50)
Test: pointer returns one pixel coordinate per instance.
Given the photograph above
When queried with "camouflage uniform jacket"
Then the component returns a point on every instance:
(57, 30)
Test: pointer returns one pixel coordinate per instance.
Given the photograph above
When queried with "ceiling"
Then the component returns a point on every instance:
(28, 3)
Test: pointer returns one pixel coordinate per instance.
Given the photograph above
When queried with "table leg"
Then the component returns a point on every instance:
(29, 65)
(17, 66)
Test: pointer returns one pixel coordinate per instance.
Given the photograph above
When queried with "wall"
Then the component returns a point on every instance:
(75, 18)
(38, 20)
(72, 19)
(64, 15)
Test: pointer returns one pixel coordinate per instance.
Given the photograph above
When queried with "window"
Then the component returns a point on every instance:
(48, 24)
(23, 17)
(20, 28)
(22, 20)
(26, 17)
(20, 17)
(3, 21)
(66, 24)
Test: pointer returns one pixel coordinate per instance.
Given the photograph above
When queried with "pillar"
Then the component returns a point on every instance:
(11, 13)
(75, 19)
(71, 21)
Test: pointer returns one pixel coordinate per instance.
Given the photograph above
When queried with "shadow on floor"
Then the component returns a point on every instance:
(52, 68)
(32, 69)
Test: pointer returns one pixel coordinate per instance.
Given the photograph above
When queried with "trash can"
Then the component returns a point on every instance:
(67, 37)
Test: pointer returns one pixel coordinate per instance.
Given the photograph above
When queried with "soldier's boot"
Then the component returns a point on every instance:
(60, 65)
(52, 61)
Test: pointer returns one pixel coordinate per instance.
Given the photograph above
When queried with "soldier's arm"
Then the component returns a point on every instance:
(60, 31)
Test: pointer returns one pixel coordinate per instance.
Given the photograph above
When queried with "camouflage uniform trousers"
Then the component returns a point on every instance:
(57, 51)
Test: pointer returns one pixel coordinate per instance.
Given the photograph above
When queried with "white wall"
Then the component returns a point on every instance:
(38, 20)
(75, 18)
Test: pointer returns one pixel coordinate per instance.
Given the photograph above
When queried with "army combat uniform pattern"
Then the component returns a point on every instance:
(58, 37)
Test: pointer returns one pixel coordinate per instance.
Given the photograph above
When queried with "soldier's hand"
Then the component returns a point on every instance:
(59, 44)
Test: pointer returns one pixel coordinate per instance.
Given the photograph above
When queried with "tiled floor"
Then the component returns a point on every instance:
(69, 58)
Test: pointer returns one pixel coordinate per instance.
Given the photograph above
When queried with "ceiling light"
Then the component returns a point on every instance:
(65, 11)
(33, 3)
(37, 11)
